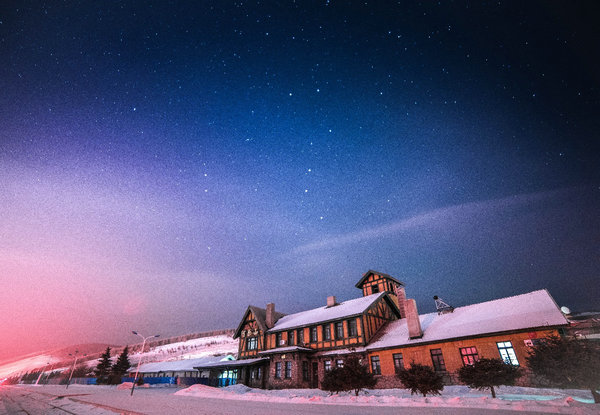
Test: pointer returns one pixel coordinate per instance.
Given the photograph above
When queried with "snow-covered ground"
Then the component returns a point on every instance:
(562, 401)
(191, 349)
(220, 345)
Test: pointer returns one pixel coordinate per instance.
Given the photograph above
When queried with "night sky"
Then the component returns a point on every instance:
(165, 164)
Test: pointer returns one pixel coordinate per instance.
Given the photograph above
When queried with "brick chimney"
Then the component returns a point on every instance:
(331, 301)
(412, 320)
(401, 295)
(270, 318)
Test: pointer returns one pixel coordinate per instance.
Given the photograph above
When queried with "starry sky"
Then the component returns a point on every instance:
(165, 164)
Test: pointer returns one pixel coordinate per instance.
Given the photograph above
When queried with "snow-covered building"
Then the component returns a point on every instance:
(179, 368)
(384, 328)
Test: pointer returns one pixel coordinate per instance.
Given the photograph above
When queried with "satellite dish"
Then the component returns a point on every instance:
(565, 310)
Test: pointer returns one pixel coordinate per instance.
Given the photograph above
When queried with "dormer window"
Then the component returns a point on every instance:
(374, 289)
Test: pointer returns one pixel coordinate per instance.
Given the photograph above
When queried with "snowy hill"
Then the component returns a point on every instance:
(188, 346)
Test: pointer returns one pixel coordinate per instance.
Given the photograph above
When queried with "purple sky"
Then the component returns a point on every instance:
(163, 165)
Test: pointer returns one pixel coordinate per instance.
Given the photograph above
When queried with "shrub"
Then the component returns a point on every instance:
(567, 363)
(422, 379)
(353, 376)
(487, 373)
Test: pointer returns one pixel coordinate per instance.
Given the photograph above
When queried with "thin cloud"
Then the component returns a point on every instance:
(436, 217)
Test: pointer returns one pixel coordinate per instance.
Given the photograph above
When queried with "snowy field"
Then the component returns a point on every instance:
(239, 398)
(561, 401)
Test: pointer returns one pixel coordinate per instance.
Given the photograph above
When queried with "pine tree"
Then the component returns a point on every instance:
(567, 363)
(102, 370)
(487, 373)
(422, 379)
(120, 368)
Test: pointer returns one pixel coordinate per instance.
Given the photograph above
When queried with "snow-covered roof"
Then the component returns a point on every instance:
(322, 314)
(525, 311)
(287, 349)
(180, 365)
(340, 352)
(233, 363)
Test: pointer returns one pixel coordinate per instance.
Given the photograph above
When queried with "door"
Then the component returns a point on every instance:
(315, 375)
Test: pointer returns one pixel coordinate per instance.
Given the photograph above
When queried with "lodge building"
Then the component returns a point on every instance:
(385, 330)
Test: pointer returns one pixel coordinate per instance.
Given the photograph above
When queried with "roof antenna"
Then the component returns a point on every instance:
(441, 306)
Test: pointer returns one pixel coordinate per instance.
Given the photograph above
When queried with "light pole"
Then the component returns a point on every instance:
(73, 368)
(140, 360)
(41, 373)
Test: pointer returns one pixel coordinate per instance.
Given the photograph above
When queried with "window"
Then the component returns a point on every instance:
(339, 363)
(352, 332)
(374, 289)
(398, 362)
(300, 336)
(313, 334)
(339, 330)
(278, 370)
(259, 373)
(327, 332)
(278, 340)
(253, 374)
(251, 343)
(288, 370)
(507, 353)
(469, 355)
(327, 365)
(438, 360)
(291, 338)
(375, 366)
(305, 371)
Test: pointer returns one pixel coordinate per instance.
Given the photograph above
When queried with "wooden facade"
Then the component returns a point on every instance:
(252, 338)
(453, 359)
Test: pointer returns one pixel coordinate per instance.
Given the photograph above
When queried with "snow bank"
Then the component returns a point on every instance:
(509, 398)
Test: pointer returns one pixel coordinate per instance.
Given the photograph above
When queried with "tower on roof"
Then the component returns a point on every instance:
(373, 282)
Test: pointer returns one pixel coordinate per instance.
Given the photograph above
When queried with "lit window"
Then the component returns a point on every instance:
(398, 362)
(375, 366)
(339, 363)
(507, 353)
(278, 370)
(438, 360)
(327, 365)
(469, 355)
(288, 370)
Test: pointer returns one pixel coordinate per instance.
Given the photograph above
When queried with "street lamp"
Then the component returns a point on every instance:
(73, 368)
(41, 373)
(140, 360)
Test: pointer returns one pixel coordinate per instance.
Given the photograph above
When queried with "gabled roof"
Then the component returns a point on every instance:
(260, 314)
(536, 309)
(370, 272)
(322, 314)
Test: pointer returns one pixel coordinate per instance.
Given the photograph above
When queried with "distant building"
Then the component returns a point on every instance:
(384, 328)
